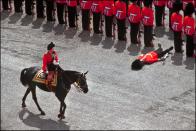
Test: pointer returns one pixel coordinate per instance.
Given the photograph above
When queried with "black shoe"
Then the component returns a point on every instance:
(62, 22)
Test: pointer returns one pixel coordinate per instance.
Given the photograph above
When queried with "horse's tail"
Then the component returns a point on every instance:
(23, 78)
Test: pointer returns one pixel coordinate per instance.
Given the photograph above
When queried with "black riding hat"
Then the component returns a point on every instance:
(137, 65)
(50, 46)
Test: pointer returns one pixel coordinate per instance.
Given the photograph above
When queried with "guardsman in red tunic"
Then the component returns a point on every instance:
(185, 2)
(134, 16)
(171, 10)
(50, 11)
(150, 57)
(29, 7)
(148, 22)
(49, 62)
(159, 11)
(189, 29)
(120, 7)
(60, 4)
(109, 12)
(18, 5)
(72, 12)
(40, 9)
(85, 7)
(176, 24)
(97, 10)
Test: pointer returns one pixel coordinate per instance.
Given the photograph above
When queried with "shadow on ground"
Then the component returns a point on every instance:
(35, 120)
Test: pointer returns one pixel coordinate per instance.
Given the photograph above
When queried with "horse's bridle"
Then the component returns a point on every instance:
(78, 85)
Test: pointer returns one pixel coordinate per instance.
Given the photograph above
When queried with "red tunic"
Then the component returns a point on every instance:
(97, 6)
(72, 3)
(48, 59)
(185, 2)
(85, 4)
(176, 21)
(61, 1)
(108, 8)
(149, 58)
(134, 13)
(120, 11)
(147, 16)
(159, 2)
(189, 25)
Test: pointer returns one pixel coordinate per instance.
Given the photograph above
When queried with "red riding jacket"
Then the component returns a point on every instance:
(149, 58)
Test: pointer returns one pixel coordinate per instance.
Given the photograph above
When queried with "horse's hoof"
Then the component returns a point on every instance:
(23, 105)
(43, 113)
(61, 116)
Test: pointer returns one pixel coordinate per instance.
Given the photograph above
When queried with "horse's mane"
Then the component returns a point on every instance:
(72, 72)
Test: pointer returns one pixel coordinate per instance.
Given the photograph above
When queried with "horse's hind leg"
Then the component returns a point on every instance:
(25, 96)
(33, 91)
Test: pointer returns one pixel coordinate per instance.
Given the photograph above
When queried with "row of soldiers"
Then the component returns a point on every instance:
(116, 12)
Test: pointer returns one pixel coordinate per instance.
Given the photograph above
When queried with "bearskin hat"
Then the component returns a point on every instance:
(50, 46)
(147, 3)
(137, 65)
(189, 9)
(177, 6)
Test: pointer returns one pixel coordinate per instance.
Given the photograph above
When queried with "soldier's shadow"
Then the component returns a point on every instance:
(70, 33)
(26, 20)
(96, 39)
(107, 43)
(4, 15)
(48, 27)
(190, 62)
(34, 120)
(85, 36)
(14, 18)
(120, 46)
(37, 23)
(177, 59)
(59, 29)
(147, 49)
(134, 49)
(159, 31)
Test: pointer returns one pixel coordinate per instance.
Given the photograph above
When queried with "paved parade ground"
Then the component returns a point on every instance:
(160, 96)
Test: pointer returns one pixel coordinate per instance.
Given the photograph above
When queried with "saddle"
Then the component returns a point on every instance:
(40, 77)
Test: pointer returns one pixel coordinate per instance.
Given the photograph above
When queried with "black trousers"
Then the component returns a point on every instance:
(40, 8)
(18, 5)
(170, 13)
(159, 15)
(60, 13)
(189, 46)
(72, 16)
(178, 41)
(5, 4)
(50, 10)
(148, 35)
(96, 22)
(161, 53)
(108, 25)
(134, 32)
(121, 29)
(86, 19)
(28, 7)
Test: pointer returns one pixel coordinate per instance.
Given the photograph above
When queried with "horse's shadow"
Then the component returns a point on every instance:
(85, 36)
(120, 46)
(107, 43)
(37, 23)
(26, 20)
(34, 120)
(14, 18)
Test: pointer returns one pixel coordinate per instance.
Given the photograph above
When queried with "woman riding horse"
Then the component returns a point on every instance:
(64, 80)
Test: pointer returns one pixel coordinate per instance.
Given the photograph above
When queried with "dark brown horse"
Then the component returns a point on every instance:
(64, 80)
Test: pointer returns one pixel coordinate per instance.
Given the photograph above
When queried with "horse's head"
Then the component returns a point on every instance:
(81, 82)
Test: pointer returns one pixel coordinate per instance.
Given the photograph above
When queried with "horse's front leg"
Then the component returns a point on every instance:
(33, 91)
(25, 96)
(62, 111)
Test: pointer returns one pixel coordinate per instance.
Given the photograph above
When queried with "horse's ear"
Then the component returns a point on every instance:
(85, 73)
